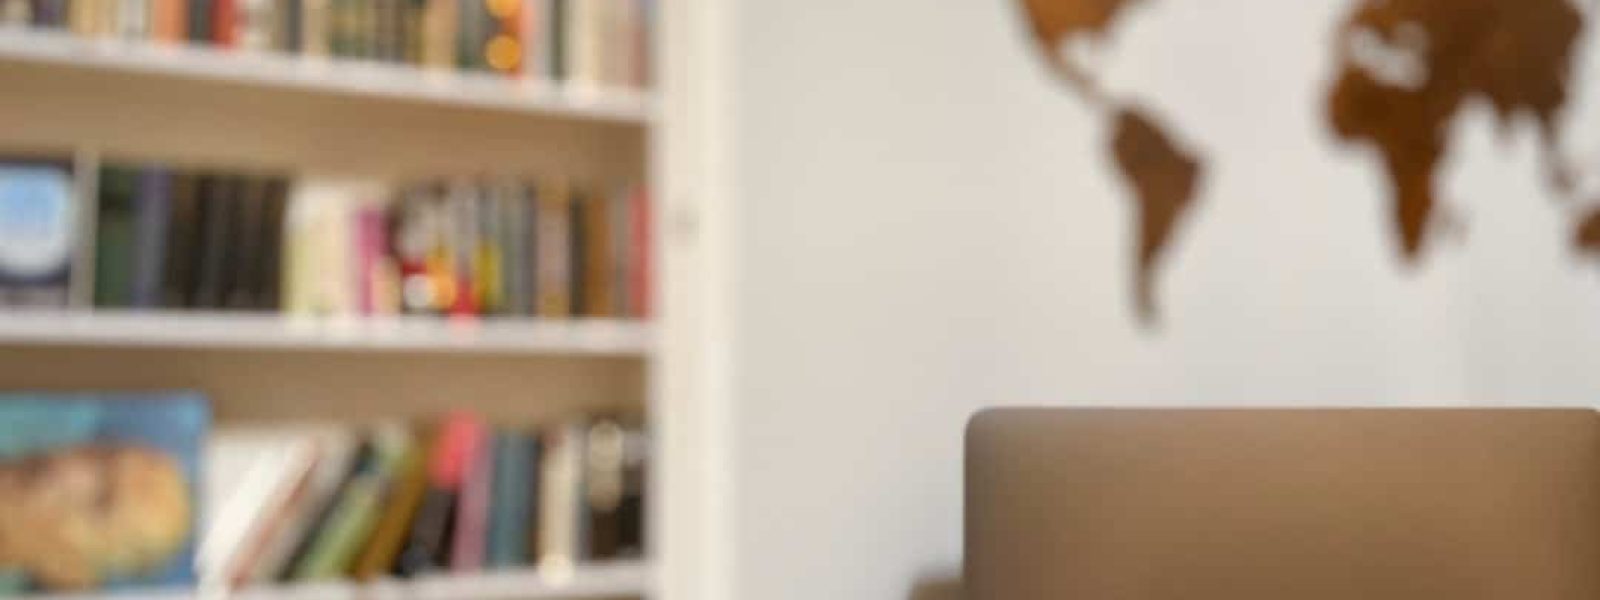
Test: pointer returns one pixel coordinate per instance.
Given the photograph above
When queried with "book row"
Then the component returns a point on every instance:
(321, 503)
(165, 238)
(138, 490)
(597, 42)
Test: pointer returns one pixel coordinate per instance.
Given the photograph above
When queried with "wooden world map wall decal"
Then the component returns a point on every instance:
(1406, 69)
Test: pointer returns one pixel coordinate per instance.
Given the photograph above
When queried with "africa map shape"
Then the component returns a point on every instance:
(1516, 54)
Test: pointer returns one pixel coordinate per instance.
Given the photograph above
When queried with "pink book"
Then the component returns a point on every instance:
(472, 507)
(369, 255)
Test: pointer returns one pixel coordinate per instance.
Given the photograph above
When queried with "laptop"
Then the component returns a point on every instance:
(1104, 504)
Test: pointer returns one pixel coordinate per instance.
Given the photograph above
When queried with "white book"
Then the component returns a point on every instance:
(336, 449)
(321, 277)
(250, 474)
(561, 500)
(584, 50)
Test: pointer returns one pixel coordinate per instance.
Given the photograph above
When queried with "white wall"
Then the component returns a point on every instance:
(924, 223)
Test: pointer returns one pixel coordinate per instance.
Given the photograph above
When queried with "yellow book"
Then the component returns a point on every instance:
(400, 508)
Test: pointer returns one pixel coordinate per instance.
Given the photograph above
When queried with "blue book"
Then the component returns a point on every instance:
(99, 490)
(38, 232)
(515, 456)
(152, 211)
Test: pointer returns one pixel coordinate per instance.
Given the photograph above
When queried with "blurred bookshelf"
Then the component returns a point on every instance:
(326, 128)
(330, 75)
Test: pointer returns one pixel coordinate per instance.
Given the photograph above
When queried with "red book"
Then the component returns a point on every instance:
(642, 274)
(472, 509)
(225, 23)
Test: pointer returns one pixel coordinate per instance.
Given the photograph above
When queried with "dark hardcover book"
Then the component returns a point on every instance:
(290, 20)
(535, 495)
(603, 471)
(152, 214)
(631, 512)
(201, 21)
(50, 13)
(426, 543)
(471, 34)
(269, 272)
(114, 233)
(577, 271)
(217, 203)
(244, 278)
(557, 44)
(514, 257)
(183, 239)
(37, 224)
(428, 546)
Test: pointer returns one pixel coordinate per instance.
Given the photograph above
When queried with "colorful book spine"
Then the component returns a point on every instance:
(640, 266)
(153, 213)
(225, 30)
(167, 21)
(355, 515)
(336, 453)
(200, 21)
(428, 544)
(400, 508)
(515, 457)
(597, 262)
(470, 537)
(114, 237)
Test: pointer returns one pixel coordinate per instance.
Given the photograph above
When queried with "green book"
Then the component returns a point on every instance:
(354, 516)
(114, 237)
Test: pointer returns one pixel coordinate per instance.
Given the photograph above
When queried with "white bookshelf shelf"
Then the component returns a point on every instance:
(327, 75)
(610, 580)
(583, 337)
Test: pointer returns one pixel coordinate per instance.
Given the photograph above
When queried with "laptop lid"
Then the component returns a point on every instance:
(1283, 504)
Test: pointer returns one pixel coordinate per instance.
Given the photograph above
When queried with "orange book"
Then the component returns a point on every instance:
(167, 21)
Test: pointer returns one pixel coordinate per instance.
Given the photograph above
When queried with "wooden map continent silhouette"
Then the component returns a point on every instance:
(1516, 54)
